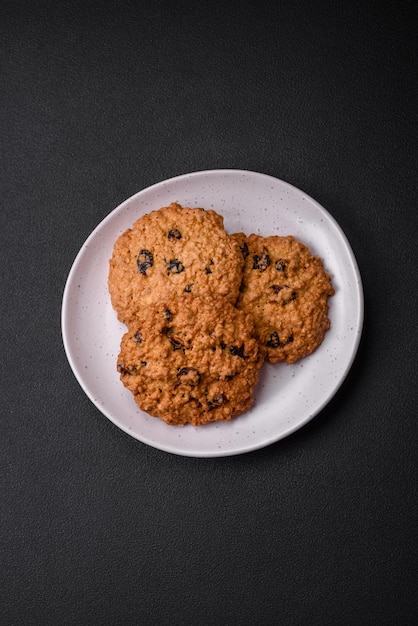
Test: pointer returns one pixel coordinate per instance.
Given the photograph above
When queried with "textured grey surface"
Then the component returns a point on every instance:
(98, 102)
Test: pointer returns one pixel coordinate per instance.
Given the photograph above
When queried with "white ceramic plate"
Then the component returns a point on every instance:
(287, 396)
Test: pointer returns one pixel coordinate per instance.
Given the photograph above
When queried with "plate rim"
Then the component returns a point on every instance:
(285, 432)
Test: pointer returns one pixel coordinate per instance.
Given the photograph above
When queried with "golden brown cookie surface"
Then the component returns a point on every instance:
(172, 250)
(286, 290)
(191, 360)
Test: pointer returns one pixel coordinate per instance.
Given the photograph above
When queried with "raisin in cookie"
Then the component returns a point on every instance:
(191, 359)
(286, 290)
(172, 250)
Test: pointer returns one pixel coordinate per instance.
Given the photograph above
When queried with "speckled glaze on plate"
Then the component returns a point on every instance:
(287, 396)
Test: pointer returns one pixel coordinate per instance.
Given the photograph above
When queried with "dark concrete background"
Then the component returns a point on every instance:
(100, 100)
